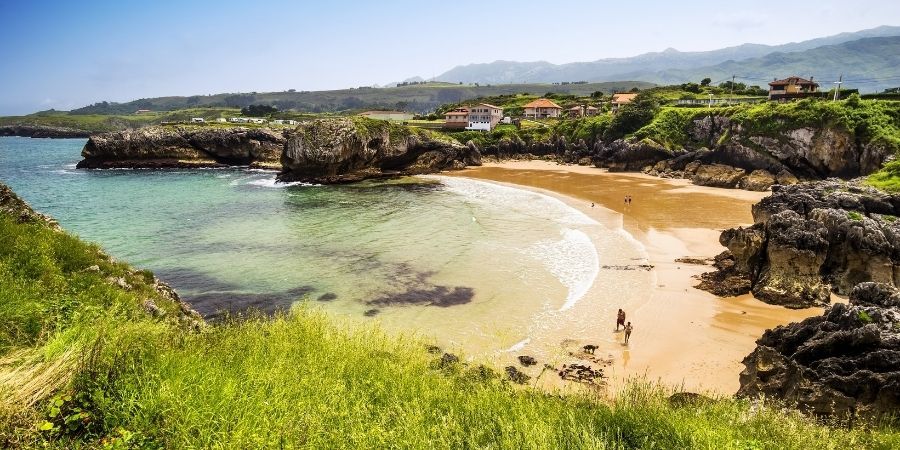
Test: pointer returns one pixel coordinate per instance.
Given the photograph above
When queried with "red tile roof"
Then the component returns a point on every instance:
(793, 80)
(542, 103)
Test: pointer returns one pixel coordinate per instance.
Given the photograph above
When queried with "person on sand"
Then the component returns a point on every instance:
(620, 319)
(592, 204)
(628, 329)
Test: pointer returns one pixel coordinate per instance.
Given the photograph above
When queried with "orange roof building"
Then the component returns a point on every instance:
(792, 87)
(542, 108)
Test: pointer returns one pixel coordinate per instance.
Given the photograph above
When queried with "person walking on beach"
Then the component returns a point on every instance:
(628, 329)
(620, 319)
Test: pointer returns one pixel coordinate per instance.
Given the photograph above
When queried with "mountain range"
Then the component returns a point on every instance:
(867, 55)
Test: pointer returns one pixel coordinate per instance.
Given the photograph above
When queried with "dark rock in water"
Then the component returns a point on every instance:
(682, 399)
(347, 150)
(482, 373)
(516, 376)
(371, 312)
(694, 261)
(590, 348)
(526, 360)
(810, 239)
(845, 362)
(327, 297)
(433, 349)
(581, 373)
(184, 146)
(448, 360)
(42, 131)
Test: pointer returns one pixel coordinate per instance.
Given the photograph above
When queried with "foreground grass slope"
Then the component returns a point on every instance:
(84, 363)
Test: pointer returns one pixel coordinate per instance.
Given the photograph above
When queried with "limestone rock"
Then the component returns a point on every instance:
(718, 175)
(843, 363)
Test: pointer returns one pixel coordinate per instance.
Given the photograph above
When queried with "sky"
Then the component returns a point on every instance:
(68, 54)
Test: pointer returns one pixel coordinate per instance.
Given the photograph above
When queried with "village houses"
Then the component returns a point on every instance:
(456, 119)
(791, 88)
(619, 99)
(542, 108)
(484, 117)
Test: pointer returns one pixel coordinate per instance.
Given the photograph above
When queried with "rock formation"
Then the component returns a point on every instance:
(321, 151)
(844, 363)
(42, 131)
(347, 150)
(723, 153)
(184, 146)
(811, 239)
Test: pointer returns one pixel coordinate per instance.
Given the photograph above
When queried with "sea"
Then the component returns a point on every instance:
(477, 267)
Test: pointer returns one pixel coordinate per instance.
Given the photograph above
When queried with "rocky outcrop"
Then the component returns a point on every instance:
(625, 156)
(844, 363)
(42, 131)
(347, 150)
(729, 154)
(184, 146)
(13, 206)
(809, 240)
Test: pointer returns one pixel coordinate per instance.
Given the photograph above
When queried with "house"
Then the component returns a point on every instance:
(620, 99)
(456, 119)
(791, 88)
(484, 117)
(576, 112)
(387, 115)
(542, 109)
(221, 120)
(255, 120)
(238, 120)
(197, 120)
(142, 111)
(591, 111)
(284, 122)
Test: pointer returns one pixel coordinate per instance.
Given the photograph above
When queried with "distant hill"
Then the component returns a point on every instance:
(419, 98)
(642, 67)
(870, 64)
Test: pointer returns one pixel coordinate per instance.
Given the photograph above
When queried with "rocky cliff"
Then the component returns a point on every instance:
(811, 239)
(845, 362)
(346, 150)
(184, 146)
(42, 131)
(723, 153)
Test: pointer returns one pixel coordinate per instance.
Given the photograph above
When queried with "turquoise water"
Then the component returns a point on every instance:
(472, 264)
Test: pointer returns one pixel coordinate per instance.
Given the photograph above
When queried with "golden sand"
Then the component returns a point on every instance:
(682, 336)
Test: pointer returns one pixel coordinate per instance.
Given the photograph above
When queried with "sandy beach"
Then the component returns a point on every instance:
(682, 336)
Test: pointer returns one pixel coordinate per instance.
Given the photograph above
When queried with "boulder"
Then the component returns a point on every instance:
(717, 175)
(346, 150)
(810, 239)
(843, 363)
(758, 180)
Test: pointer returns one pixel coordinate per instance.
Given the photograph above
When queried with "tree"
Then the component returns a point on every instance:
(632, 117)
(596, 94)
(635, 89)
(705, 82)
(258, 110)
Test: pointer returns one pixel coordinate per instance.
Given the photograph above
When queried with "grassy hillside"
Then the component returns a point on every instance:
(84, 362)
(414, 98)
(867, 64)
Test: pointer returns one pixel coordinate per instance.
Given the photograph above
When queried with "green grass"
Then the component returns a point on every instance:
(887, 179)
(853, 215)
(83, 365)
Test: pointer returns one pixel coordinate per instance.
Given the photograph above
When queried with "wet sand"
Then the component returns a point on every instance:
(683, 337)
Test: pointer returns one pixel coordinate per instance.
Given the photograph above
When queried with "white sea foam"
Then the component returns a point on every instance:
(573, 260)
(519, 345)
(519, 200)
(272, 183)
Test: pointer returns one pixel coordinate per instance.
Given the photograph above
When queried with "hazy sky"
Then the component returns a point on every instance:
(66, 54)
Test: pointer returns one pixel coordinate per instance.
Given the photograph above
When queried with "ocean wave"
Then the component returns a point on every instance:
(519, 200)
(573, 260)
(273, 183)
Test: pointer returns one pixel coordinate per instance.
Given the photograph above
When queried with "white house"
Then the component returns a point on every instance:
(256, 120)
(284, 122)
(221, 120)
(197, 120)
(484, 117)
(238, 120)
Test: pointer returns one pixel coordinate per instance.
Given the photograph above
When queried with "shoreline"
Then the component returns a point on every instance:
(684, 337)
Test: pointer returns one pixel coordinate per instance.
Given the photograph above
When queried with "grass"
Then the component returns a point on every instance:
(887, 179)
(853, 215)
